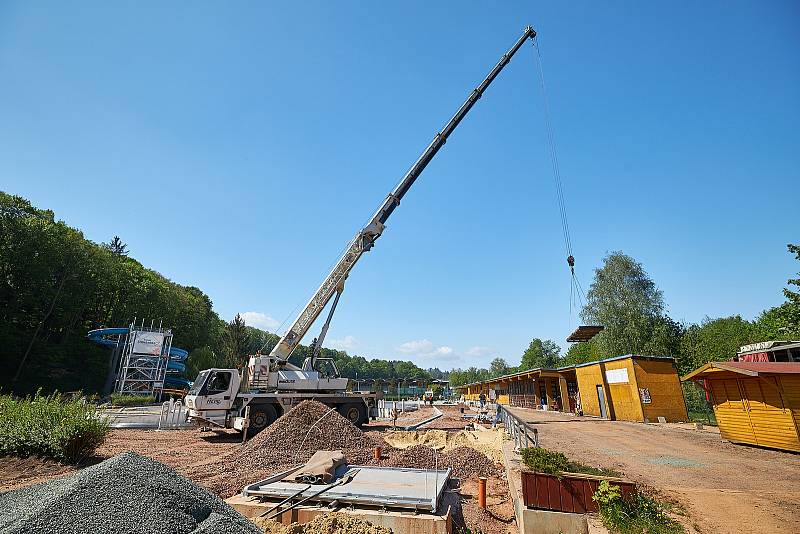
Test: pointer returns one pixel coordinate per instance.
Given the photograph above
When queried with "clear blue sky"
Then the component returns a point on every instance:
(238, 147)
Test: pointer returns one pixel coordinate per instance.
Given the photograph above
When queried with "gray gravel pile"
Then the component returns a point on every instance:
(124, 494)
(465, 462)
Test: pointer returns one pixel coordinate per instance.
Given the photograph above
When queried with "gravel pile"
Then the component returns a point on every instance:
(465, 462)
(291, 440)
(334, 523)
(125, 494)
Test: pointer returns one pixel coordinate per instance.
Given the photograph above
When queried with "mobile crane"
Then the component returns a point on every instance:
(271, 384)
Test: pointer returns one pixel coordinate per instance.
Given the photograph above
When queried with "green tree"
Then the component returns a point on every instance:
(498, 367)
(584, 352)
(628, 304)
(116, 246)
(714, 340)
(236, 342)
(541, 354)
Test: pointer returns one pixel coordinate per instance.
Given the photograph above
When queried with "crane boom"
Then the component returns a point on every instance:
(365, 239)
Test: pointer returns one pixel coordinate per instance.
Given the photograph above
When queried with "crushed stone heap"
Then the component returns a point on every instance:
(465, 462)
(124, 494)
(291, 440)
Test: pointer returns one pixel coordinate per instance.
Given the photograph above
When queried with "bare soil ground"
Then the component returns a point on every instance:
(723, 487)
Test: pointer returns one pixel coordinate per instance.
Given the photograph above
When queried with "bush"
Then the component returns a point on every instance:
(639, 514)
(554, 463)
(66, 429)
(120, 399)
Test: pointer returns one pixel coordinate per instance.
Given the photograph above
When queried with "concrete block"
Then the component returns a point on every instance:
(548, 522)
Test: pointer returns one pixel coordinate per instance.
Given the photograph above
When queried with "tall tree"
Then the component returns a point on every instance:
(541, 354)
(628, 304)
(236, 342)
(498, 367)
(117, 246)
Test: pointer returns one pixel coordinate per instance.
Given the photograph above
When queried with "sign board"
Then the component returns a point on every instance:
(149, 343)
(492, 394)
(617, 376)
(644, 393)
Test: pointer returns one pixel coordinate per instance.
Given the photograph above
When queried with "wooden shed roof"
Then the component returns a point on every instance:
(744, 368)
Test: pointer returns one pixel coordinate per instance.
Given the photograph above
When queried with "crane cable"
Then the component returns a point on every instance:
(576, 294)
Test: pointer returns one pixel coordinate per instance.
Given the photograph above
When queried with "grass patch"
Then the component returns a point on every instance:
(640, 514)
(64, 428)
(707, 418)
(546, 461)
(120, 399)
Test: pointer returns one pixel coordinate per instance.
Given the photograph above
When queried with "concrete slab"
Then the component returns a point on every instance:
(405, 522)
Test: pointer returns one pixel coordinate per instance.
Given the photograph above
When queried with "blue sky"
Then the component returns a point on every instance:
(238, 148)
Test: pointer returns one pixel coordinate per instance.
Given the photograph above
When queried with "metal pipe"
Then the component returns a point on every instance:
(482, 492)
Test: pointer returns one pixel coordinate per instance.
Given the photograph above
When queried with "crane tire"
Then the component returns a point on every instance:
(355, 413)
(261, 416)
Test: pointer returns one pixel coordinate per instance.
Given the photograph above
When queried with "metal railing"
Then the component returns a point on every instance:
(523, 434)
(170, 417)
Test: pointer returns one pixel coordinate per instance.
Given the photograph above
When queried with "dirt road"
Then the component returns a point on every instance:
(725, 488)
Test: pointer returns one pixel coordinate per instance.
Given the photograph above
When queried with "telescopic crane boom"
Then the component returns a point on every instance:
(365, 239)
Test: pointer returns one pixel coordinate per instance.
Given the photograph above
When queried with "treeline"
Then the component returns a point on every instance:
(628, 303)
(55, 285)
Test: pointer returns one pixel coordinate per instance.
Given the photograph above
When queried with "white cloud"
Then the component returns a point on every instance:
(346, 343)
(259, 320)
(425, 348)
(417, 346)
(478, 351)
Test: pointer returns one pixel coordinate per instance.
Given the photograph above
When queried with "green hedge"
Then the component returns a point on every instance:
(119, 399)
(64, 428)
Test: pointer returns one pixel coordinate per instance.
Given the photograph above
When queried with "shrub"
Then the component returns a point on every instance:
(120, 399)
(66, 429)
(639, 514)
(552, 462)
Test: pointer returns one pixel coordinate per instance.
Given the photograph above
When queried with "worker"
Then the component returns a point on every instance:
(482, 400)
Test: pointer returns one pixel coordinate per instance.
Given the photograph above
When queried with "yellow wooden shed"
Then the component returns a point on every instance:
(632, 388)
(757, 403)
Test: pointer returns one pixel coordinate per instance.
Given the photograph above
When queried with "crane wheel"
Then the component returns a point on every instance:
(355, 413)
(261, 416)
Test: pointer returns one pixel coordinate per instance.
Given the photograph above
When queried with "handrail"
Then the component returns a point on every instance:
(523, 434)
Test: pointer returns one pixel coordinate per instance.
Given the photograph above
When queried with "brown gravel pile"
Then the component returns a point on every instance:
(289, 441)
(465, 462)
(335, 523)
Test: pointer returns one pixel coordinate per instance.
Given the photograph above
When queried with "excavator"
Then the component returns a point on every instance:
(251, 399)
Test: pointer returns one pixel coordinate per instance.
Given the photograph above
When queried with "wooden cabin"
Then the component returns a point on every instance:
(757, 403)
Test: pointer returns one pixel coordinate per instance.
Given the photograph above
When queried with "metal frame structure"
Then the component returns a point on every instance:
(143, 374)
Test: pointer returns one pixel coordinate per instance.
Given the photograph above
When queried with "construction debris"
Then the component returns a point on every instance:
(464, 461)
(126, 493)
(334, 523)
(290, 441)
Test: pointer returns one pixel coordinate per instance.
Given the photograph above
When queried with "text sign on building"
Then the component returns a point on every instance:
(644, 393)
(617, 376)
(149, 343)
